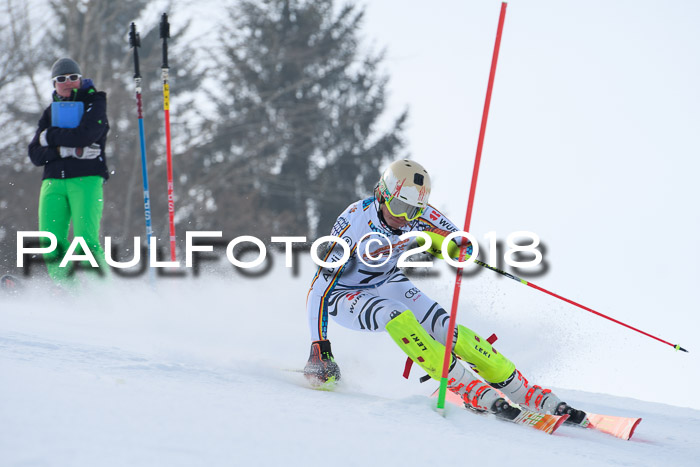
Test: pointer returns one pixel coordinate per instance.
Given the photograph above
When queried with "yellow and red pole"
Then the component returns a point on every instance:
(165, 35)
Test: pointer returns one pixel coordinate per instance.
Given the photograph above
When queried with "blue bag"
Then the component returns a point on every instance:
(66, 114)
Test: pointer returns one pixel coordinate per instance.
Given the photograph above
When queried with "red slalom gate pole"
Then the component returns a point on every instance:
(165, 35)
(467, 221)
(583, 307)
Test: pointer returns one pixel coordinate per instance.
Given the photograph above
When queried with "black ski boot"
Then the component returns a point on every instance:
(502, 409)
(576, 417)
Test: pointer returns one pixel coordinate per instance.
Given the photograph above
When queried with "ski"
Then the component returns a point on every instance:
(619, 427)
(543, 422)
(540, 421)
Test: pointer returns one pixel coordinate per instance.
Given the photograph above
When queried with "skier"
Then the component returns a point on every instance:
(370, 293)
(75, 168)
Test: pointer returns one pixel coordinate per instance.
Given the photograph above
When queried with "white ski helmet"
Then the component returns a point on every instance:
(404, 188)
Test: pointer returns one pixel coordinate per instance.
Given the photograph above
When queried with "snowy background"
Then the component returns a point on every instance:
(591, 144)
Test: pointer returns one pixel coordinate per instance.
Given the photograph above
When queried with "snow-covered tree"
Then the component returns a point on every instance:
(298, 104)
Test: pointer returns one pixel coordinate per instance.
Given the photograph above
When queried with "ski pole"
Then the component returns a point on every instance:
(530, 284)
(135, 43)
(165, 35)
(463, 249)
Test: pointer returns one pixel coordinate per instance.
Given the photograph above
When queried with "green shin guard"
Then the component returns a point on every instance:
(415, 341)
(482, 357)
(429, 354)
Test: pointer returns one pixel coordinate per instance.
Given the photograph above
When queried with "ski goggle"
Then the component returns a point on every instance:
(62, 79)
(399, 208)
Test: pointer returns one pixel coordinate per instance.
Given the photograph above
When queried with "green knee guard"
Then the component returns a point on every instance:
(483, 359)
(417, 343)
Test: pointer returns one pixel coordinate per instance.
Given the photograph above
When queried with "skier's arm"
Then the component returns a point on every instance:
(321, 366)
(38, 154)
(92, 127)
(438, 241)
(317, 300)
(437, 226)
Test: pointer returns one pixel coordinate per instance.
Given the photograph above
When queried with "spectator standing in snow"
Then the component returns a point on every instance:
(75, 168)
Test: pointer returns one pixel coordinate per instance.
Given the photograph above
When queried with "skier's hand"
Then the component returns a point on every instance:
(321, 367)
(42, 138)
(88, 152)
(438, 239)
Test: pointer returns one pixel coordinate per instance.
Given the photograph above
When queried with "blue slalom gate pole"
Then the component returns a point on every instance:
(135, 43)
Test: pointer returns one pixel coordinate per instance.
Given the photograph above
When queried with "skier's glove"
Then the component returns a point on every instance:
(321, 367)
(88, 152)
(438, 238)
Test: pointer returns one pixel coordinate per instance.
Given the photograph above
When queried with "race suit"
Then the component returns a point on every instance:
(367, 296)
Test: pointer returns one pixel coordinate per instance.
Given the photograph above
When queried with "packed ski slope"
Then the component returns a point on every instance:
(193, 373)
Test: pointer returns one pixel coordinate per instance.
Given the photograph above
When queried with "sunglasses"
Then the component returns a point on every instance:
(63, 79)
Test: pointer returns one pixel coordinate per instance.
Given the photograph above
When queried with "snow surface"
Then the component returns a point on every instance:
(591, 144)
(194, 372)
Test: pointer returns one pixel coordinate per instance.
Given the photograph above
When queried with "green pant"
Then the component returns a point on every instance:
(72, 199)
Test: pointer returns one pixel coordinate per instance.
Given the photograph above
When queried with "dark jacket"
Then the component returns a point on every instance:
(93, 128)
